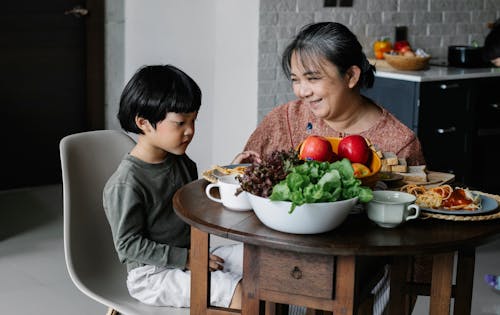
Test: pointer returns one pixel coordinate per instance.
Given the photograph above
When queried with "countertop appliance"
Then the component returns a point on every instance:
(466, 56)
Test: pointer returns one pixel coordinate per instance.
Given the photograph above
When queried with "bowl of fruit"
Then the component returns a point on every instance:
(293, 195)
(363, 157)
(407, 62)
(402, 57)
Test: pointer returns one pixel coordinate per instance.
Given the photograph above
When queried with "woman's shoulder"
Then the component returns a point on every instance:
(392, 125)
(389, 133)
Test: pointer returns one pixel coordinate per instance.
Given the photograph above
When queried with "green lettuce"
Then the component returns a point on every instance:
(315, 181)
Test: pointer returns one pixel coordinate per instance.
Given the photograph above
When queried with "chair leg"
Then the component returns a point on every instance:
(112, 312)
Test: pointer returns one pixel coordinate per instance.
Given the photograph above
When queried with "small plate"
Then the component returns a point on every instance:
(216, 173)
(389, 177)
(487, 205)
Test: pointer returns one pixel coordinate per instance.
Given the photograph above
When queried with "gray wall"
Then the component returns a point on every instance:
(432, 25)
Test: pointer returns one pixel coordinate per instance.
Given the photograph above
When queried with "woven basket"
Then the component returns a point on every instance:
(407, 62)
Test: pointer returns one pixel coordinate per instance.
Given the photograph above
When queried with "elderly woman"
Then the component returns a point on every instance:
(327, 69)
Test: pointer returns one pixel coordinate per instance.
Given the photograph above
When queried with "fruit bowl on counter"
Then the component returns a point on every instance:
(409, 63)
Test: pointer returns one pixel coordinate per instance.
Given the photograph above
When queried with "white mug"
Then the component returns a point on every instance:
(391, 208)
(228, 186)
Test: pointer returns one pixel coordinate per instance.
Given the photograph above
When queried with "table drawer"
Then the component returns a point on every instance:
(295, 273)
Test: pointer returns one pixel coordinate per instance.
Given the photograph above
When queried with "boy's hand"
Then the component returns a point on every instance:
(247, 157)
(215, 263)
(188, 259)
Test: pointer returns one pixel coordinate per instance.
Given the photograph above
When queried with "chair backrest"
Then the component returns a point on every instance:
(88, 159)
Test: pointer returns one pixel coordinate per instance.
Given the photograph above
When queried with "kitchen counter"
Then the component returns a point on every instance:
(433, 73)
(454, 111)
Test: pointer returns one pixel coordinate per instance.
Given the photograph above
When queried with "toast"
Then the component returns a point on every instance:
(415, 174)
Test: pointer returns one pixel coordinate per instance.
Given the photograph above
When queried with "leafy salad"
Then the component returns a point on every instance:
(283, 177)
(314, 181)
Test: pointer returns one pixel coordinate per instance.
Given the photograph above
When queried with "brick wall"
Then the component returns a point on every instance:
(432, 25)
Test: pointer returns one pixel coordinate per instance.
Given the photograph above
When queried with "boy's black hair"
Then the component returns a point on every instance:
(153, 92)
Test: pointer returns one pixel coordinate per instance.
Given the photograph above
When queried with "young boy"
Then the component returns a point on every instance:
(160, 104)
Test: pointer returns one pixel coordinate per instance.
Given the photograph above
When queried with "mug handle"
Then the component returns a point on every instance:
(207, 191)
(417, 212)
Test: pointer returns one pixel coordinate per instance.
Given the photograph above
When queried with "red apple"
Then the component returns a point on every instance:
(316, 148)
(401, 44)
(355, 149)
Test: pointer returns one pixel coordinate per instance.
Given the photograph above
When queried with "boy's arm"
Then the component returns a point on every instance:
(125, 214)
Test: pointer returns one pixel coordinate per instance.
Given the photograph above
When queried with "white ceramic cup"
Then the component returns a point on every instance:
(391, 208)
(227, 188)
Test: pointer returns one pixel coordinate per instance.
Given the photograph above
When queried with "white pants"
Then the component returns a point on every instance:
(161, 286)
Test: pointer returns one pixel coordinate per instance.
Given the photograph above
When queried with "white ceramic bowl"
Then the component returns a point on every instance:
(310, 218)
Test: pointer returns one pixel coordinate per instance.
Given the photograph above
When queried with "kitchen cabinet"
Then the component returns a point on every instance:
(456, 119)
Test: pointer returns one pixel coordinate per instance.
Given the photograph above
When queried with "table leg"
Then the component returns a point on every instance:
(441, 284)
(344, 284)
(464, 281)
(200, 281)
(398, 296)
(250, 299)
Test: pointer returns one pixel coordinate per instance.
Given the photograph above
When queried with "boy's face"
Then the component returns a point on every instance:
(174, 133)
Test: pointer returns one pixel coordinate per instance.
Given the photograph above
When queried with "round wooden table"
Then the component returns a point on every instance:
(322, 271)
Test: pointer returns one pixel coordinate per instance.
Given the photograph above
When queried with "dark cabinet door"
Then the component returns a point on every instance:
(443, 124)
(483, 171)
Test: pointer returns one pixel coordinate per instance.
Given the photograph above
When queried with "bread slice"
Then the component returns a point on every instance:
(385, 168)
(390, 158)
(401, 167)
(415, 174)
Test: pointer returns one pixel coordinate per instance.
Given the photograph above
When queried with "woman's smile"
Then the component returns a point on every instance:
(314, 104)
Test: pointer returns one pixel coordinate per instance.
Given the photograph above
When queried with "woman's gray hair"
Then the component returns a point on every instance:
(333, 42)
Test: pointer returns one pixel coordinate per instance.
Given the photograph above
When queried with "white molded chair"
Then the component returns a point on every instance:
(88, 159)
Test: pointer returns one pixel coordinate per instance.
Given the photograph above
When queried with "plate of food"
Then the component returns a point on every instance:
(236, 169)
(213, 174)
(445, 199)
(487, 205)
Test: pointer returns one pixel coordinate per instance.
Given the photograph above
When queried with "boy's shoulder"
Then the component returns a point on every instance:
(125, 172)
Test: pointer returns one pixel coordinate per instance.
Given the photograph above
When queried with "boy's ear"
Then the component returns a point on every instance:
(143, 124)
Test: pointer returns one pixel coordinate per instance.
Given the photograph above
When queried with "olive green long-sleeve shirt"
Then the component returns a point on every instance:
(138, 205)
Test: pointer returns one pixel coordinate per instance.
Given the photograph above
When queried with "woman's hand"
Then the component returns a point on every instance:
(247, 157)
(215, 263)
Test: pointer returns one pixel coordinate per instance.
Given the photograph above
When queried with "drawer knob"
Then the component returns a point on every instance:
(296, 273)
(446, 130)
(449, 86)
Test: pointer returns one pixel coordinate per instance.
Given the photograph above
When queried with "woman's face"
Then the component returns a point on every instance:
(320, 86)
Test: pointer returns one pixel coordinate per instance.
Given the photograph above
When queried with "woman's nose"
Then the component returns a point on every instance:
(303, 90)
